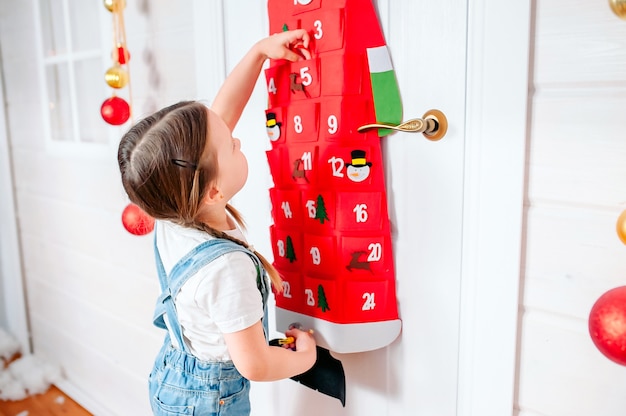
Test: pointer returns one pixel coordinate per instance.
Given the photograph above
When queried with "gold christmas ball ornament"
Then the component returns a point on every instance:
(111, 4)
(618, 7)
(116, 77)
(621, 226)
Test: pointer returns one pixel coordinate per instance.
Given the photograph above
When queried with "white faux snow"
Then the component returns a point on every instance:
(25, 376)
(9, 346)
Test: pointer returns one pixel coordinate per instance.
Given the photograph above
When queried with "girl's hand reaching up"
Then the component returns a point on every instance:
(284, 45)
(235, 92)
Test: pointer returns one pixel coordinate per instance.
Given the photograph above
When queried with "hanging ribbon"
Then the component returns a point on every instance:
(116, 110)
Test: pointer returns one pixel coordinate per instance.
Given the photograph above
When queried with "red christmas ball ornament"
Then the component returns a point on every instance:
(607, 324)
(115, 111)
(136, 221)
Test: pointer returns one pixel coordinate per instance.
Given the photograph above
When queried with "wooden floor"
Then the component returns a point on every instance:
(51, 403)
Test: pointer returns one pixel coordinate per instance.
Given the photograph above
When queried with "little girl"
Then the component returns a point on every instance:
(181, 165)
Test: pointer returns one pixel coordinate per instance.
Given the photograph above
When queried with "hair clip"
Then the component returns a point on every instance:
(184, 164)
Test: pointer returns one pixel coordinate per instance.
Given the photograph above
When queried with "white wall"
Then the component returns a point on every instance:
(576, 190)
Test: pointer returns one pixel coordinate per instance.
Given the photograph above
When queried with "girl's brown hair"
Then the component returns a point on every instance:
(160, 163)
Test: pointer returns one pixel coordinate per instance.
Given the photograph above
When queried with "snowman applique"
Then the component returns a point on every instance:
(359, 169)
(272, 127)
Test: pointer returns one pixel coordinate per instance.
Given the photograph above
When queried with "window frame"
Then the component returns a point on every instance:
(75, 146)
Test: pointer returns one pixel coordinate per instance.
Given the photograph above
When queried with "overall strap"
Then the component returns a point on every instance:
(186, 267)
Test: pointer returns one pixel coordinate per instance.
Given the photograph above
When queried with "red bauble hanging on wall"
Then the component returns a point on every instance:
(607, 324)
(136, 221)
(115, 111)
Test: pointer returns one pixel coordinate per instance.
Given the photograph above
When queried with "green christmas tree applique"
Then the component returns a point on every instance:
(320, 210)
(290, 253)
(321, 296)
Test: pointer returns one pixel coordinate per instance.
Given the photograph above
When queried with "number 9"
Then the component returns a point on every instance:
(332, 124)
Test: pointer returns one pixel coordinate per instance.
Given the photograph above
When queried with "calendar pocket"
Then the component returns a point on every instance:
(301, 6)
(342, 74)
(368, 301)
(279, 25)
(301, 168)
(318, 209)
(287, 248)
(276, 162)
(302, 122)
(366, 257)
(359, 210)
(304, 79)
(326, 29)
(292, 296)
(340, 118)
(277, 83)
(321, 299)
(319, 254)
(355, 167)
(286, 207)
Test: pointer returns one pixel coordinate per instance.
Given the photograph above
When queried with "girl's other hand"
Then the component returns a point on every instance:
(303, 340)
(304, 343)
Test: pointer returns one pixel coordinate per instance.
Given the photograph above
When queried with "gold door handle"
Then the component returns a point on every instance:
(433, 125)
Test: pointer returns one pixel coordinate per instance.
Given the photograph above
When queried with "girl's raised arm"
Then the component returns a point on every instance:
(238, 86)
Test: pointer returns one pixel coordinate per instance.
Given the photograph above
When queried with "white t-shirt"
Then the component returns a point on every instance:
(220, 298)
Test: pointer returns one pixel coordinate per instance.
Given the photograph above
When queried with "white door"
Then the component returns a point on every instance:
(455, 206)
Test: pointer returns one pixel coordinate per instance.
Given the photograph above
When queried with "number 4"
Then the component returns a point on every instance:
(271, 86)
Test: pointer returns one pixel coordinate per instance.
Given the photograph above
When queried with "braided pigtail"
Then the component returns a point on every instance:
(275, 278)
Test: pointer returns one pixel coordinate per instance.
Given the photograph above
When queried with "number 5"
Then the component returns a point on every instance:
(307, 79)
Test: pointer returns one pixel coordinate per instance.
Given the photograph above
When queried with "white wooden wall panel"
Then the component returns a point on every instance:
(100, 328)
(579, 42)
(577, 247)
(562, 378)
(99, 383)
(576, 190)
(109, 288)
(91, 186)
(577, 146)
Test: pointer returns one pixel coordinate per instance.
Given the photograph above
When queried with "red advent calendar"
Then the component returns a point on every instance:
(331, 236)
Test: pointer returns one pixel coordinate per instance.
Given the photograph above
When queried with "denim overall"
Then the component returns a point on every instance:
(180, 383)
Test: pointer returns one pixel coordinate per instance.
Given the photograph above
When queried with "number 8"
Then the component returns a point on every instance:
(297, 124)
